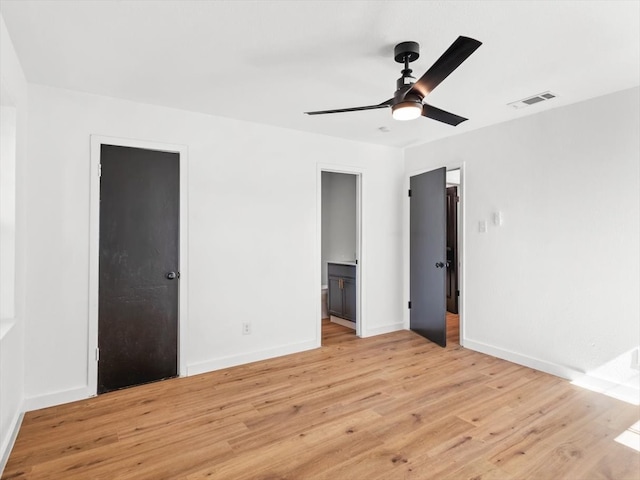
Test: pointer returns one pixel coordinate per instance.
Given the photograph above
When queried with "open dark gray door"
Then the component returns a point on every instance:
(428, 242)
(139, 246)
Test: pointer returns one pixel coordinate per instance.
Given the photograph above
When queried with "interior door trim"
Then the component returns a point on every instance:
(94, 244)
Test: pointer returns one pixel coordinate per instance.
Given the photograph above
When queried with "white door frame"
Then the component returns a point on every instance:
(94, 248)
(461, 241)
(360, 251)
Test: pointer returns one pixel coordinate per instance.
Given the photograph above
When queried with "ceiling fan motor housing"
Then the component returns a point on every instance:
(405, 80)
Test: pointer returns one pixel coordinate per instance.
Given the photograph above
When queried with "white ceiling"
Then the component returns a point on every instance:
(269, 61)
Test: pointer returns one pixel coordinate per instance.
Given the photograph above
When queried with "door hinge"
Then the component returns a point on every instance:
(97, 354)
(457, 198)
(457, 293)
(409, 306)
(99, 169)
(409, 192)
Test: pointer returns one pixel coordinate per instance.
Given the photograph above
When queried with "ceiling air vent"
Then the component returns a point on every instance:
(525, 102)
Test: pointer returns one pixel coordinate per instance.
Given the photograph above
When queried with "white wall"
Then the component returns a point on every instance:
(339, 217)
(557, 286)
(13, 95)
(8, 123)
(254, 253)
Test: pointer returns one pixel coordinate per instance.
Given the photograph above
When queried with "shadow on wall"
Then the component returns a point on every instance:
(618, 378)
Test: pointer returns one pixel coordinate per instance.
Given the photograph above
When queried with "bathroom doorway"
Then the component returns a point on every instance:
(340, 246)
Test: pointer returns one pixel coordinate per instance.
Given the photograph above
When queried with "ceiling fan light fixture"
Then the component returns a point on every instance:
(406, 103)
(407, 110)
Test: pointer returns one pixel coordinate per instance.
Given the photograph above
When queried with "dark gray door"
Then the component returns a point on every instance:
(139, 245)
(428, 237)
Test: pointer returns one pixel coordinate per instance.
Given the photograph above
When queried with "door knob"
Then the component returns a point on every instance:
(172, 275)
(439, 265)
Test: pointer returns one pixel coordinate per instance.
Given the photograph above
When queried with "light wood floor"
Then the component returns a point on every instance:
(388, 407)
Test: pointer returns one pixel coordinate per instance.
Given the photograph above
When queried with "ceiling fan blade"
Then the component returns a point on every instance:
(441, 116)
(354, 109)
(457, 53)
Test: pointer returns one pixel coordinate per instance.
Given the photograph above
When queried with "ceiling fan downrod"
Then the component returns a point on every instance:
(406, 52)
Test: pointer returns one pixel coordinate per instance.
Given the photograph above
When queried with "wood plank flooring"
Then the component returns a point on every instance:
(389, 407)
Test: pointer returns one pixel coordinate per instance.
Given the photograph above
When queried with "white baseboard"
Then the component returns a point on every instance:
(626, 392)
(235, 360)
(343, 322)
(393, 327)
(10, 439)
(531, 362)
(81, 393)
(56, 398)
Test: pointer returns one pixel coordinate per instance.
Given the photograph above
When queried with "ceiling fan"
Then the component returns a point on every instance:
(408, 101)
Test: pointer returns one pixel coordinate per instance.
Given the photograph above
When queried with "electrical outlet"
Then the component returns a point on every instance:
(246, 328)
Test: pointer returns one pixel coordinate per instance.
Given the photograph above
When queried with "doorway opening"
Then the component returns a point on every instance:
(340, 253)
(454, 224)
